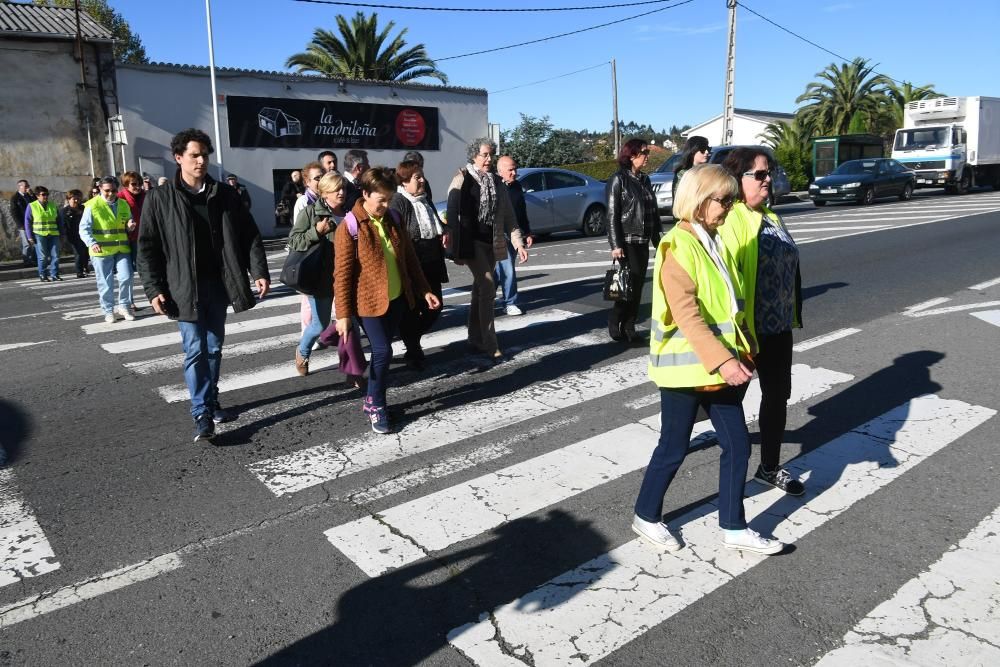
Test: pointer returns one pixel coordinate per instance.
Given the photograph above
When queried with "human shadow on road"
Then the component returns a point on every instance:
(404, 616)
(817, 290)
(16, 428)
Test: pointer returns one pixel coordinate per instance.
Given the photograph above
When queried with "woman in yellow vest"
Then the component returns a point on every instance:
(699, 356)
(105, 225)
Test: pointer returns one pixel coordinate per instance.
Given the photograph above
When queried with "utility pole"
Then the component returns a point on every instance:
(614, 101)
(81, 93)
(215, 96)
(727, 113)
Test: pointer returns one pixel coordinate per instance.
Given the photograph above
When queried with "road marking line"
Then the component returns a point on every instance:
(890, 228)
(948, 613)
(75, 295)
(811, 343)
(229, 350)
(585, 614)
(285, 370)
(844, 228)
(464, 291)
(924, 305)
(24, 549)
(953, 309)
(15, 346)
(17, 317)
(984, 285)
(989, 316)
(174, 337)
(644, 401)
(405, 533)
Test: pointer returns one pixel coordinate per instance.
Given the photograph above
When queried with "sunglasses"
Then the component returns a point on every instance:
(644, 151)
(725, 202)
(759, 175)
(707, 149)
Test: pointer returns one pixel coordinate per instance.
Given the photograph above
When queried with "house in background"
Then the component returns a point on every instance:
(748, 127)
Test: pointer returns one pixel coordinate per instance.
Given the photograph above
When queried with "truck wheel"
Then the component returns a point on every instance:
(907, 192)
(868, 196)
(964, 183)
(593, 221)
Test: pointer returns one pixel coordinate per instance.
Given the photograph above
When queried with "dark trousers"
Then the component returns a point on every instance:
(380, 331)
(621, 319)
(678, 408)
(418, 321)
(774, 369)
(82, 255)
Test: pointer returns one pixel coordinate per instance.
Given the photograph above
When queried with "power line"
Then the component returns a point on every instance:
(565, 34)
(553, 78)
(375, 5)
(810, 42)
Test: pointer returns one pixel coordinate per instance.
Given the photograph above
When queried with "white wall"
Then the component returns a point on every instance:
(746, 131)
(158, 102)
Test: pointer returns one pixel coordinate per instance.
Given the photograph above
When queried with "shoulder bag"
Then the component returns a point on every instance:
(618, 282)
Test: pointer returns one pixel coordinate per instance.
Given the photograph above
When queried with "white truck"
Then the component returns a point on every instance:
(952, 142)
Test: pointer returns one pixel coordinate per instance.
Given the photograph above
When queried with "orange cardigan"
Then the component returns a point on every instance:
(360, 274)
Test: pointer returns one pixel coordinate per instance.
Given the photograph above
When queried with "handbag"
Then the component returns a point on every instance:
(281, 210)
(303, 269)
(618, 282)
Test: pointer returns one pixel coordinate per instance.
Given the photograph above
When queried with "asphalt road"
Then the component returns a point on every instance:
(494, 529)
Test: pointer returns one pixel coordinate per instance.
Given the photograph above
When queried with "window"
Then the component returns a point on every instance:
(532, 182)
(557, 180)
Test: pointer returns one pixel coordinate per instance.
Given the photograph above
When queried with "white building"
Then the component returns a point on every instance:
(748, 127)
(272, 123)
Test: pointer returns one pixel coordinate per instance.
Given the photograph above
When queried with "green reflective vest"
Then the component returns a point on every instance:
(44, 221)
(109, 230)
(672, 360)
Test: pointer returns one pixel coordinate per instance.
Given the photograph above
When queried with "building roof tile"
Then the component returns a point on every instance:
(39, 21)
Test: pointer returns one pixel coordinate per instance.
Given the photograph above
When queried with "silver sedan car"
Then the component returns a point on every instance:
(559, 200)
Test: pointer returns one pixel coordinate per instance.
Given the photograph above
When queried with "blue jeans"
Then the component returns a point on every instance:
(678, 408)
(105, 269)
(507, 277)
(202, 341)
(380, 331)
(47, 252)
(321, 307)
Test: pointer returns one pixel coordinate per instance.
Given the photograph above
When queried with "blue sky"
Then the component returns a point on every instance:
(671, 64)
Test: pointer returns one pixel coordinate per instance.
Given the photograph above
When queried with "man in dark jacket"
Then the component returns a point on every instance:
(195, 211)
(19, 203)
(355, 164)
(241, 189)
(504, 271)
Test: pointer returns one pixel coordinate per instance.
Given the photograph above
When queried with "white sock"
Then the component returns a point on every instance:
(733, 533)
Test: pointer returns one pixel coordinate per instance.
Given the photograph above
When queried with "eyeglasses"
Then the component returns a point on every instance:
(759, 175)
(644, 151)
(725, 202)
(485, 155)
(315, 178)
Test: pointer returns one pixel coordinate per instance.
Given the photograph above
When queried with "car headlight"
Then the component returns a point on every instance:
(855, 184)
(814, 187)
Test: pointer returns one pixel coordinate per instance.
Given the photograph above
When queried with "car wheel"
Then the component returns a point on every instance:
(819, 203)
(593, 221)
(868, 196)
(907, 192)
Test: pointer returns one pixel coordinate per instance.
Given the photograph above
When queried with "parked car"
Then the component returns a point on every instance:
(864, 181)
(559, 199)
(663, 180)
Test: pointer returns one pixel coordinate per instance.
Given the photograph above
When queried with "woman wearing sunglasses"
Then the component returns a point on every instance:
(699, 356)
(632, 223)
(696, 151)
(769, 261)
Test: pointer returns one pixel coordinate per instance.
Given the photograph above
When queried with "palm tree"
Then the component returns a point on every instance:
(358, 53)
(842, 92)
(898, 96)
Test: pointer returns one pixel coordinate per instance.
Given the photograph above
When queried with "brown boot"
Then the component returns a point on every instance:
(301, 364)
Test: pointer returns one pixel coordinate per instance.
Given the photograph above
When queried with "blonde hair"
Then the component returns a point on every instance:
(331, 182)
(697, 185)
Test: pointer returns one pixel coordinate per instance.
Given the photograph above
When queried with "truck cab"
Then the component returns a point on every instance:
(935, 152)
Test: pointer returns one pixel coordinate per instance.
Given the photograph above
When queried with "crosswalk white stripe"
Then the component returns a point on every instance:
(229, 350)
(587, 613)
(989, 316)
(286, 370)
(315, 465)
(24, 549)
(155, 320)
(817, 341)
(845, 228)
(16, 346)
(951, 309)
(91, 293)
(948, 615)
(985, 284)
(174, 337)
(408, 532)
(924, 305)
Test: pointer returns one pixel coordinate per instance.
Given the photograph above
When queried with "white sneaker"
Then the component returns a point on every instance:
(656, 534)
(750, 540)
(513, 310)
(110, 318)
(125, 313)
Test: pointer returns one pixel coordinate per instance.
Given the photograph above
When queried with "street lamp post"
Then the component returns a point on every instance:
(215, 97)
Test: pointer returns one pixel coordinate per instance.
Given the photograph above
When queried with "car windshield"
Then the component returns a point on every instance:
(855, 167)
(922, 137)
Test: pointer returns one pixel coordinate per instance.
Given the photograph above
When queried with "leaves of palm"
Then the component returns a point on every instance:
(360, 52)
(842, 92)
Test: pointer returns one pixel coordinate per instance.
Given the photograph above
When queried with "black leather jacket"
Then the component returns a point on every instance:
(631, 208)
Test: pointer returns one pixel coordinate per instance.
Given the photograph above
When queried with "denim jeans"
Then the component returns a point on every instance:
(47, 252)
(678, 408)
(380, 331)
(506, 276)
(321, 307)
(105, 269)
(202, 341)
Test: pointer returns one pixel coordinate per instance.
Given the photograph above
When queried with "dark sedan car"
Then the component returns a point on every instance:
(864, 181)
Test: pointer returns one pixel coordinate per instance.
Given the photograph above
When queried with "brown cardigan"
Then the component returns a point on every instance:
(361, 277)
(681, 293)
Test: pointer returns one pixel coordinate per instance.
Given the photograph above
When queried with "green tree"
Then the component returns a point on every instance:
(128, 46)
(535, 143)
(898, 96)
(841, 92)
(361, 51)
(792, 145)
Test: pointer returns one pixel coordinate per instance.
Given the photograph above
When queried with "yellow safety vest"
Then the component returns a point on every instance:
(109, 230)
(44, 221)
(740, 234)
(672, 360)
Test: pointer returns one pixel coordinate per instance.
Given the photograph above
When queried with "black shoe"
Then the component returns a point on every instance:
(780, 478)
(415, 362)
(58, 279)
(81, 275)
(220, 415)
(43, 279)
(615, 331)
(204, 427)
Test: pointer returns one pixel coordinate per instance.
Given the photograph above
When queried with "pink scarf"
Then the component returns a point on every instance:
(134, 203)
